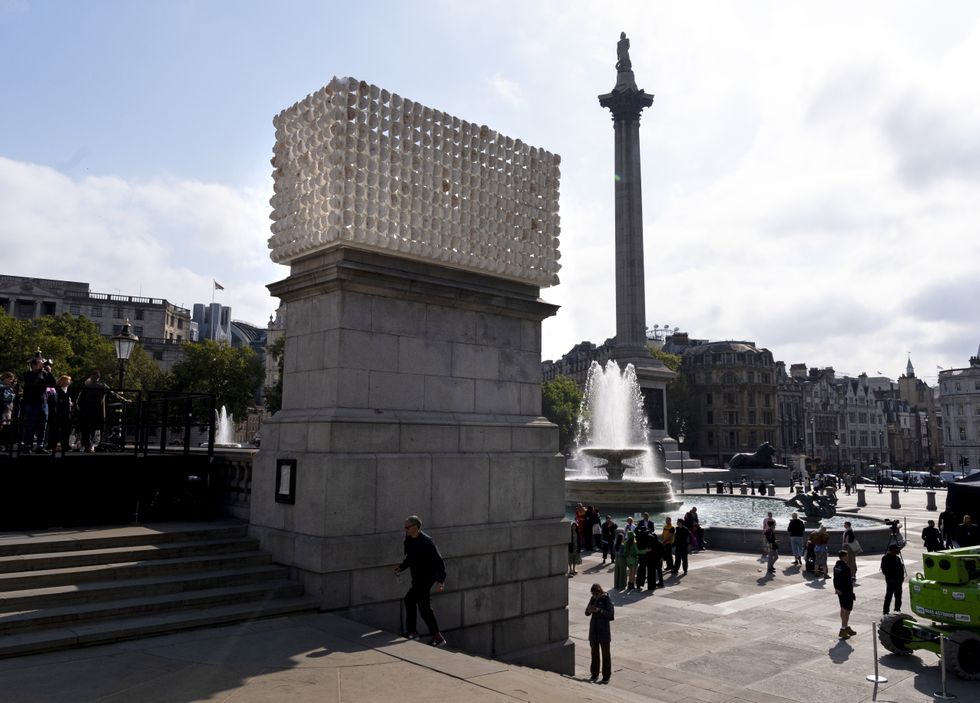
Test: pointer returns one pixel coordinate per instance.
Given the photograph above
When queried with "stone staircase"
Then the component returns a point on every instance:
(75, 588)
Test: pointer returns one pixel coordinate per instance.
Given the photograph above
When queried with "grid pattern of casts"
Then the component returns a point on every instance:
(359, 166)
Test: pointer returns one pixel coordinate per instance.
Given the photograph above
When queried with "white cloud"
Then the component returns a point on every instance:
(507, 90)
(165, 239)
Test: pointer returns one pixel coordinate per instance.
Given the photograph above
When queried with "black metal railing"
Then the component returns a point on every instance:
(136, 421)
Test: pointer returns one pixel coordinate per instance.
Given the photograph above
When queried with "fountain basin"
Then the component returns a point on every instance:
(622, 496)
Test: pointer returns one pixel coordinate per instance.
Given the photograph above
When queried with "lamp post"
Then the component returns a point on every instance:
(813, 435)
(124, 342)
(837, 444)
(680, 442)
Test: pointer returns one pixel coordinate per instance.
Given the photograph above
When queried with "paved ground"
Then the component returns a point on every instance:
(726, 632)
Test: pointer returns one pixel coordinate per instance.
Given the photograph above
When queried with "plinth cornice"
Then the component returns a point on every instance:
(626, 104)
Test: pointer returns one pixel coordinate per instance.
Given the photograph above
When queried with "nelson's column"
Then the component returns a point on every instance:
(626, 101)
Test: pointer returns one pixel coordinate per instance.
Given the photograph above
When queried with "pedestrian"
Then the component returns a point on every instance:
(590, 520)
(797, 538)
(667, 535)
(580, 524)
(852, 547)
(905, 481)
(609, 539)
(645, 523)
(820, 539)
(59, 432)
(34, 405)
(893, 568)
(8, 397)
(947, 527)
(423, 559)
(932, 540)
(632, 554)
(596, 543)
(693, 523)
(967, 534)
(630, 525)
(765, 526)
(619, 569)
(643, 549)
(682, 538)
(773, 546)
(881, 481)
(574, 557)
(895, 535)
(92, 408)
(602, 613)
(844, 588)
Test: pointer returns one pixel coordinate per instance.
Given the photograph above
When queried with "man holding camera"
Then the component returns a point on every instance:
(37, 381)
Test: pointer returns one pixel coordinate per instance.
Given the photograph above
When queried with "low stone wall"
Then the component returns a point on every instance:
(742, 539)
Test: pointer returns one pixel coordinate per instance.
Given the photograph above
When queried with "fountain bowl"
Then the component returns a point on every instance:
(622, 496)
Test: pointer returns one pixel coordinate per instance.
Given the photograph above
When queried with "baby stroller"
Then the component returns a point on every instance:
(809, 558)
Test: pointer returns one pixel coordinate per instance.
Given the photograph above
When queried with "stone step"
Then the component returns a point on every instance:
(44, 578)
(107, 538)
(103, 632)
(70, 615)
(97, 591)
(130, 553)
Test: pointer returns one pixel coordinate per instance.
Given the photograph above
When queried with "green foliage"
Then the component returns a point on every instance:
(273, 393)
(560, 401)
(671, 361)
(76, 346)
(232, 374)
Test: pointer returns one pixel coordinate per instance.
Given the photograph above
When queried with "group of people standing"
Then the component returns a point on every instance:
(638, 551)
(48, 410)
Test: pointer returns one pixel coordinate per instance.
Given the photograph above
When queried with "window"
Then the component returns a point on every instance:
(751, 398)
(711, 439)
(47, 308)
(138, 314)
(729, 399)
(180, 323)
(752, 417)
(962, 433)
(710, 419)
(767, 417)
(117, 313)
(116, 329)
(138, 330)
(750, 376)
(708, 399)
(766, 378)
(75, 309)
(753, 437)
(158, 356)
(767, 400)
(96, 311)
(732, 417)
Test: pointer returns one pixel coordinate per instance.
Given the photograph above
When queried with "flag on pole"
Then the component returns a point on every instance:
(218, 286)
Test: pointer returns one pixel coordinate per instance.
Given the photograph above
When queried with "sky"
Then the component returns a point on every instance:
(811, 172)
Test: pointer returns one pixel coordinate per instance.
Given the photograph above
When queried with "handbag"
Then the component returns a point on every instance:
(855, 546)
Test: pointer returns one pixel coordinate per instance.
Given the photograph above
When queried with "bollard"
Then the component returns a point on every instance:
(896, 504)
(743, 489)
(771, 488)
(875, 678)
(943, 695)
(930, 500)
(719, 488)
(707, 487)
(862, 501)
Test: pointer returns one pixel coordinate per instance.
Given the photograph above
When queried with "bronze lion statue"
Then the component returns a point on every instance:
(760, 459)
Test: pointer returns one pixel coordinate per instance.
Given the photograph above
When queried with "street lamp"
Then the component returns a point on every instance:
(124, 341)
(680, 442)
(837, 444)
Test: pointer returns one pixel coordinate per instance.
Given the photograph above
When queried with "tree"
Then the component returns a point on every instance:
(232, 374)
(273, 393)
(560, 401)
(73, 343)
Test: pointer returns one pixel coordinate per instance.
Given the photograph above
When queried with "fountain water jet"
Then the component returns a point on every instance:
(612, 427)
(224, 435)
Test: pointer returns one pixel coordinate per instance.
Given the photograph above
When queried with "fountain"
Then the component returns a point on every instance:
(612, 428)
(224, 436)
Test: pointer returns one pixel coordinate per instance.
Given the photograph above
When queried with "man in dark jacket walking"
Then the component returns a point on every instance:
(893, 568)
(600, 634)
(422, 558)
(608, 539)
(682, 538)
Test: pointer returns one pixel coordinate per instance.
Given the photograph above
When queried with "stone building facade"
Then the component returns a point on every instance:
(160, 325)
(960, 399)
(734, 386)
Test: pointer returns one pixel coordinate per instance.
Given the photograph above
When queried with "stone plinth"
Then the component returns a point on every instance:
(896, 503)
(414, 388)
(931, 500)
